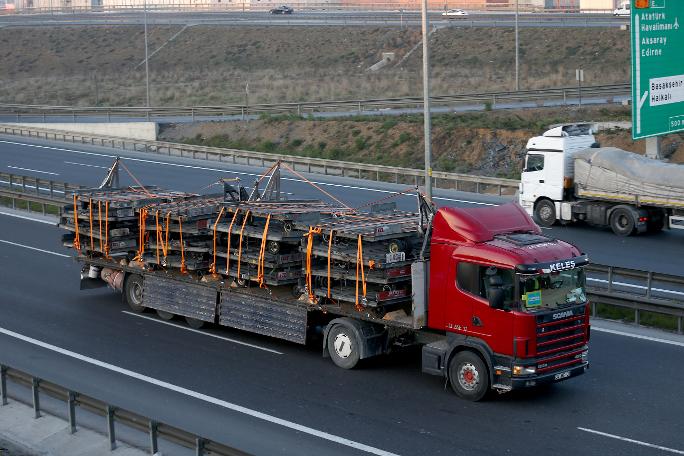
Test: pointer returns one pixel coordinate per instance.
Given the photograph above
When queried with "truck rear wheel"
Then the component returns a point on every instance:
(622, 222)
(133, 292)
(343, 346)
(194, 323)
(468, 376)
(545, 213)
(164, 315)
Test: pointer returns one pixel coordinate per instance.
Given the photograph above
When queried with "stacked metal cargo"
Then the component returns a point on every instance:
(332, 255)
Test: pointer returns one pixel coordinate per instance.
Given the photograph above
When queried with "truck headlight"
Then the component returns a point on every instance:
(524, 370)
(585, 356)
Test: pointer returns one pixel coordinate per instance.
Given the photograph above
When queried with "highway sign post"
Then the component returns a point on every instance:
(657, 67)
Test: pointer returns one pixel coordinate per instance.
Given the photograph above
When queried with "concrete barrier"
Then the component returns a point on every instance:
(145, 131)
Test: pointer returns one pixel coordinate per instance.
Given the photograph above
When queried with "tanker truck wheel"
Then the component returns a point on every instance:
(133, 292)
(343, 346)
(468, 376)
(164, 315)
(194, 323)
(545, 213)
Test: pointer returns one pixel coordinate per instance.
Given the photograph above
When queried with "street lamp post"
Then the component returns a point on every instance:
(517, 49)
(426, 104)
(147, 63)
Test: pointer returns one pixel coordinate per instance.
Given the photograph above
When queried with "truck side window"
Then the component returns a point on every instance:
(468, 277)
(534, 163)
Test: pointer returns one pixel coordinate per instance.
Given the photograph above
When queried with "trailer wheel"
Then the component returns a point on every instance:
(545, 213)
(622, 221)
(133, 292)
(164, 315)
(343, 346)
(468, 376)
(194, 323)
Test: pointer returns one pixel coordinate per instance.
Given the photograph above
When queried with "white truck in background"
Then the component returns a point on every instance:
(568, 178)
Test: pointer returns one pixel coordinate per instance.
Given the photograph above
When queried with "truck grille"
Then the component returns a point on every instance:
(560, 343)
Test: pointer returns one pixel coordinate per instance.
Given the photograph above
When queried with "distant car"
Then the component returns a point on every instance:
(455, 13)
(282, 9)
(623, 10)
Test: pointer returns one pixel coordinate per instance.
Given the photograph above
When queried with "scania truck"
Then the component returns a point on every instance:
(494, 304)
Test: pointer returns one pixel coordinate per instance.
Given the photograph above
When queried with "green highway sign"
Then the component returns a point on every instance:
(657, 68)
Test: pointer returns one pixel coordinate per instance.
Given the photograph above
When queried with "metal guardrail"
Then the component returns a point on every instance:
(112, 414)
(380, 173)
(486, 99)
(642, 291)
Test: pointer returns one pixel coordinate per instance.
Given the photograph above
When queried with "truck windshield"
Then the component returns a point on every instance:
(553, 290)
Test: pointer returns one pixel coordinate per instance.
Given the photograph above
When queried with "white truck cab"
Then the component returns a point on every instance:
(549, 170)
(623, 9)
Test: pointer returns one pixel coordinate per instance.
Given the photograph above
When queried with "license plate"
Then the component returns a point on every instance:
(561, 376)
(395, 257)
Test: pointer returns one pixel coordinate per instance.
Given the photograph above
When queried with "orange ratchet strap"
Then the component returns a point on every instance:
(244, 222)
(212, 268)
(230, 231)
(183, 269)
(329, 255)
(77, 238)
(359, 268)
(309, 248)
(262, 253)
(90, 212)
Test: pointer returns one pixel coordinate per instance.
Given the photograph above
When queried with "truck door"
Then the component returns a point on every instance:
(533, 178)
(494, 326)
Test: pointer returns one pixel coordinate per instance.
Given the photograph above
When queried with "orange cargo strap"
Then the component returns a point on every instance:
(106, 242)
(183, 269)
(99, 217)
(262, 253)
(244, 222)
(359, 268)
(142, 216)
(90, 213)
(230, 230)
(330, 239)
(212, 268)
(163, 238)
(309, 248)
(77, 237)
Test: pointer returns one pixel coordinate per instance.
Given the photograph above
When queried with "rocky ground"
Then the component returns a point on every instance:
(488, 143)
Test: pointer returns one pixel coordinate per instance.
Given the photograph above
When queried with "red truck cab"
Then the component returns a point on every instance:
(511, 302)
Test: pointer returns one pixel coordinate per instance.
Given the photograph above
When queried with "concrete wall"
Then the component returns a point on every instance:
(131, 130)
(598, 5)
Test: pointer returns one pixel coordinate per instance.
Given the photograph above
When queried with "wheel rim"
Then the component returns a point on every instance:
(136, 293)
(545, 212)
(622, 221)
(342, 345)
(468, 377)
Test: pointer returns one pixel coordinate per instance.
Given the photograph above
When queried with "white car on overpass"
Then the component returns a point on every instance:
(455, 13)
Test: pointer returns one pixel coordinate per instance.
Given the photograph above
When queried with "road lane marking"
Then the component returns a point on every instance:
(641, 287)
(202, 332)
(32, 170)
(35, 248)
(24, 217)
(625, 439)
(638, 336)
(199, 396)
(86, 165)
(242, 173)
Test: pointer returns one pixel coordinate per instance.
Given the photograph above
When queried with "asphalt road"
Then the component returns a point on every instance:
(312, 18)
(83, 164)
(197, 382)
(271, 397)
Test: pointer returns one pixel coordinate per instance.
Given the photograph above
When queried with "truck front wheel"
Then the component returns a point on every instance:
(622, 222)
(343, 346)
(133, 292)
(468, 376)
(545, 213)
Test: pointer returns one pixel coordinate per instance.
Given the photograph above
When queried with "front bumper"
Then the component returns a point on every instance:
(554, 377)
